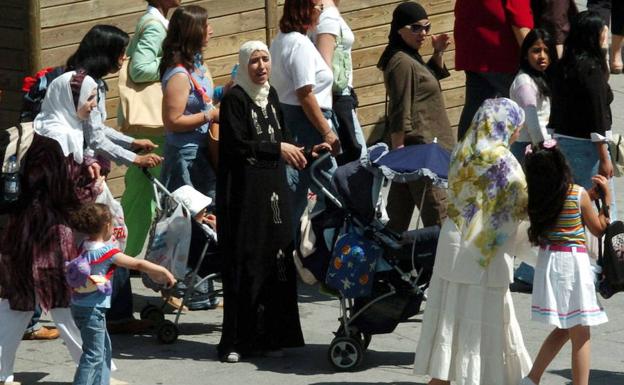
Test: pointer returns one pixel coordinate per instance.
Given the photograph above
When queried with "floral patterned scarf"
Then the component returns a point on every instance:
(487, 188)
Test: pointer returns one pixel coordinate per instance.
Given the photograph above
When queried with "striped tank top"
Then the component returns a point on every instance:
(569, 230)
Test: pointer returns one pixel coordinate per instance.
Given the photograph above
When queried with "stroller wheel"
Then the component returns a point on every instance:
(152, 313)
(345, 353)
(167, 332)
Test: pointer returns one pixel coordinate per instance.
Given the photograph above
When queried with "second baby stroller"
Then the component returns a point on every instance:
(349, 232)
(169, 245)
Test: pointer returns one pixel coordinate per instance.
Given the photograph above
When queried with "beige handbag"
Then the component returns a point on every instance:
(141, 103)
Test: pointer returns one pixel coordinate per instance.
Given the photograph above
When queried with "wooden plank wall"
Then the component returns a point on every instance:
(64, 23)
(13, 58)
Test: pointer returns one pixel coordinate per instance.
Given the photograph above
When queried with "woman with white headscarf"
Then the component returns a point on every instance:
(55, 180)
(253, 209)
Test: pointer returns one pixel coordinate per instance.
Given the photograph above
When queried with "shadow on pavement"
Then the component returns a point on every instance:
(147, 347)
(596, 376)
(312, 360)
(34, 378)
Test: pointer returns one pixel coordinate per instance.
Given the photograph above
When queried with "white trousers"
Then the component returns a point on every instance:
(14, 324)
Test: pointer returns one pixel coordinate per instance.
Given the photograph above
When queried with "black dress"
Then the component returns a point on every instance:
(254, 229)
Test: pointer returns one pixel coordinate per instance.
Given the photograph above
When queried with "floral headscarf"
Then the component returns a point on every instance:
(487, 188)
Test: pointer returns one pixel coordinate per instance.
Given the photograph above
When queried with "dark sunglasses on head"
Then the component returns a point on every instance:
(415, 28)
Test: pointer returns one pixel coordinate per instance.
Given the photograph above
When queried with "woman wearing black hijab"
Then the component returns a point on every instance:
(416, 111)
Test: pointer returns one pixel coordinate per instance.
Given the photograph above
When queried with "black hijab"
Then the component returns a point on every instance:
(404, 14)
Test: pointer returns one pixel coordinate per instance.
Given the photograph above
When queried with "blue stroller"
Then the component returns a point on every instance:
(404, 266)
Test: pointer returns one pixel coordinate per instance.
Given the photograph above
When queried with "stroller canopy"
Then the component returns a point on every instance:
(410, 163)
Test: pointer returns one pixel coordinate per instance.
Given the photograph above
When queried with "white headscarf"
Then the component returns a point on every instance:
(258, 93)
(58, 118)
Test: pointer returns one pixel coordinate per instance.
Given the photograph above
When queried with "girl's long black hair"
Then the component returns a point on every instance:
(583, 42)
(542, 79)
(548, 179)
(99, 51)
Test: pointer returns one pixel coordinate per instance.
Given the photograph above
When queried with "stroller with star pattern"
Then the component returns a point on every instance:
(401, 272)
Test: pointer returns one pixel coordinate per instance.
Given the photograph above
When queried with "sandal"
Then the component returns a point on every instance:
(615, 70)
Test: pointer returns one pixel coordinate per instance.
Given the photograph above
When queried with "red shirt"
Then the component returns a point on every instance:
(484, 40)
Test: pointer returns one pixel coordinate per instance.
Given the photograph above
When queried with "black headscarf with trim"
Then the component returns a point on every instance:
(404, 14)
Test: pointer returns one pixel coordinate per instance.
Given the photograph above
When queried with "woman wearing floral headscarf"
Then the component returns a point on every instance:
(470, 333)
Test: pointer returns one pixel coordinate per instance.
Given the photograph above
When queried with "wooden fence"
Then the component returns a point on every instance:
(41, 33)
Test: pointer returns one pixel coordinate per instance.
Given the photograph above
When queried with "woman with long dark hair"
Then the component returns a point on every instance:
(531, 88)
(581, 112)
(188, 102)
(100, 53)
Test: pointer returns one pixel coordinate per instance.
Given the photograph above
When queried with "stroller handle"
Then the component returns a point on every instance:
(313, 174)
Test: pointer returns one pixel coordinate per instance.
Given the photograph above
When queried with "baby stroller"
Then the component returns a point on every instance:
(169, 243)
(404, 265)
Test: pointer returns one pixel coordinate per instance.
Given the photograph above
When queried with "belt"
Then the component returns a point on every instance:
(578, 249)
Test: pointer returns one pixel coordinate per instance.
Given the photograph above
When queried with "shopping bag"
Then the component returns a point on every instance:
(353, 264)
(120, 231)
(169, 244)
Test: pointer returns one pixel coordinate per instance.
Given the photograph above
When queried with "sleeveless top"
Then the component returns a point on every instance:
(569, 230)
(194, 104)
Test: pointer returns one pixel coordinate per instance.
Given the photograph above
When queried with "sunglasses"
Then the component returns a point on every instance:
(319, 7)
(415, 28)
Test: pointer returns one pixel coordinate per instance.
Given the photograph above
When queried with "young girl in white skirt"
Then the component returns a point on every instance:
(563, 288)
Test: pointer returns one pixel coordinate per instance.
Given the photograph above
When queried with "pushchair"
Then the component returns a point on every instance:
(169, 243)
(403, 269)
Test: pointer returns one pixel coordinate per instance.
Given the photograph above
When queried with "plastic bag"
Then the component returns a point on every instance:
(169, 244)
(120, 231)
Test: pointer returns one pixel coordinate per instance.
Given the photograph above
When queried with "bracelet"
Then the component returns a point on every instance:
(605, 211)
(206, 116)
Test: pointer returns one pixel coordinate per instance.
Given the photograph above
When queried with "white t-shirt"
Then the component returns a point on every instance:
(536, 106)
(332, 23)
(296, 63)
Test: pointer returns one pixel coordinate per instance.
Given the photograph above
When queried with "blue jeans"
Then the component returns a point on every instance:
(299, 181)
(188, 166)
(583, 160)
(95, 363)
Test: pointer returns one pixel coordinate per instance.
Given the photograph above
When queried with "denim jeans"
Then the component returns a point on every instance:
(299, 181)
(582, 157)
(188, 166)
(95, 364)
(34, 325)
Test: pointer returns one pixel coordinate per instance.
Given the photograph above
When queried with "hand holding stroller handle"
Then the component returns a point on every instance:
(313, 175)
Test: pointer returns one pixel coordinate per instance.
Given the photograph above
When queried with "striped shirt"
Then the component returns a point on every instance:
(569, 230)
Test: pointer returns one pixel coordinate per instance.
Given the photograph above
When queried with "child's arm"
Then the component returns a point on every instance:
(596, 223)
(157, 273)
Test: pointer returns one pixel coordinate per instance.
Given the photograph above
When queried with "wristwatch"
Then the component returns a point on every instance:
(605, 210)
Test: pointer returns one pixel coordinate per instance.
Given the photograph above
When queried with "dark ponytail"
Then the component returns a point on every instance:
(548, 179)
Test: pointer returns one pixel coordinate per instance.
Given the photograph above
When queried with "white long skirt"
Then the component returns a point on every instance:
(470, 335)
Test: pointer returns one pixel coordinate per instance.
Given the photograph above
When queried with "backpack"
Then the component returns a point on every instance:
(34, 88)
(79, 278)
(612, 260)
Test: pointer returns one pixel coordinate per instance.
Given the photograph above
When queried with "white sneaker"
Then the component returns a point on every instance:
(118, 382)
(527, 381)
(233, 357)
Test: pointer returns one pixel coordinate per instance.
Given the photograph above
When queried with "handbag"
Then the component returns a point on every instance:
(341, 65)
(616, 147)
(611, 260)
(141, 103)
(213, 129)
